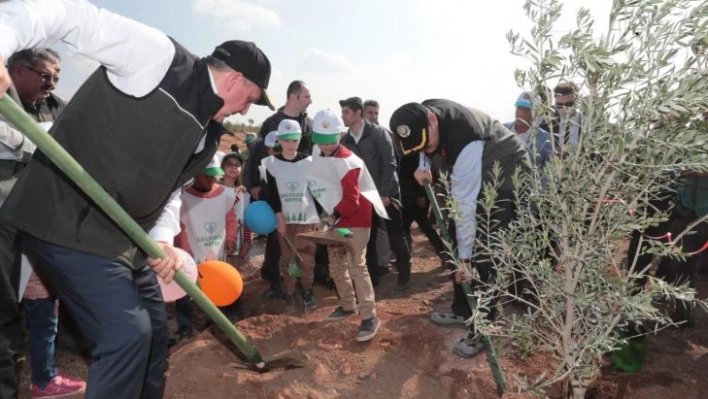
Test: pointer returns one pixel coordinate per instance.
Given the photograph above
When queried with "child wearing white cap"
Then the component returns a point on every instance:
(343, 187)
(271, 143)
(295, 211)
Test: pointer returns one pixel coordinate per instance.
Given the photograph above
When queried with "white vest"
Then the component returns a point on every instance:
(325, 182)
(296, 201)
(204, 221)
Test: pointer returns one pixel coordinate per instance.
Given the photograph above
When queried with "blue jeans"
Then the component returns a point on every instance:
(41, 317)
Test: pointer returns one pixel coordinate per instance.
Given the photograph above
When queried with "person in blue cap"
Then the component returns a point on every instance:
(526, 129)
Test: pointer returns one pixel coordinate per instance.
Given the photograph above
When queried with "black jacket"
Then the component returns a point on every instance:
(460, 125)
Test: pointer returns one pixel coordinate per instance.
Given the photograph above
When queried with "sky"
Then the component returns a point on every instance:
(393, 51)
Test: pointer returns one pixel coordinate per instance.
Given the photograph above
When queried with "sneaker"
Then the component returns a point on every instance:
(443, 319)
(308, 298)
(367, 329)
(60, 386)
(340, 314)
(468, 347)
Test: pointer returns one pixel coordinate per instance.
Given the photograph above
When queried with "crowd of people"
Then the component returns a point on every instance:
(144, 110)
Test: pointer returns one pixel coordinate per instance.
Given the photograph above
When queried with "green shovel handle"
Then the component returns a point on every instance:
(471, 302)
(64, 161)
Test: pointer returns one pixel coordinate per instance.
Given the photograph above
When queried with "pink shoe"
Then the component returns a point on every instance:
(62, 385)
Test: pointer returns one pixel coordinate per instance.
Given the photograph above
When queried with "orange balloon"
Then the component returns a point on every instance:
(220, 282)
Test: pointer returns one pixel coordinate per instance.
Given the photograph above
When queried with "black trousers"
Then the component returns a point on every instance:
(672, 270)
(117, 308)
(413, 212)
(270, 270)
(10, 320)
(503, 215)
(397, 240)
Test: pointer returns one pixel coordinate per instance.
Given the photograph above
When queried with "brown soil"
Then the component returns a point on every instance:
(409, 358)
(228, 139)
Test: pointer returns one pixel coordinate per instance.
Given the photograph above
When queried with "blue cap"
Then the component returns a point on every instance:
(527, 100)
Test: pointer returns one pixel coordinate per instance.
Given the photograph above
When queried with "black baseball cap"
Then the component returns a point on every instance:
(409, 123)
(248, 59)
(354, 103)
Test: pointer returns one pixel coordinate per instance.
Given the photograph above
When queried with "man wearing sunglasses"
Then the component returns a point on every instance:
(35, 74)
(566, 123)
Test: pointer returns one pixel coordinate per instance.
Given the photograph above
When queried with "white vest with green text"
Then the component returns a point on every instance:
(325, 182)
(297, 203)
(205, 224)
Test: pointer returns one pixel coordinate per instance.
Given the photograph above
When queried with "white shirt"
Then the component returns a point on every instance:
(358, 134)
(136, 56)
(466, 183)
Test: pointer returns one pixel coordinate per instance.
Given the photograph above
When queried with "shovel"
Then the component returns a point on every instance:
(471, 301)
(58, 155)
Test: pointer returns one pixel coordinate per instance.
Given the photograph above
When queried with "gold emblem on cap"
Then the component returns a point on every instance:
(403, 131)
(325, 124)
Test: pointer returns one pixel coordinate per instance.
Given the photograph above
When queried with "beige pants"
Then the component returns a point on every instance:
(347, 267)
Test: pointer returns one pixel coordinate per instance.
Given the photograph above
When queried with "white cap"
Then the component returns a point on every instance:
(326, 127)
(213, 168)
(271, 139)
(289, 129)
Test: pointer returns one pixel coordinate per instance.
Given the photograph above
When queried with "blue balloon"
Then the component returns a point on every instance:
(260, 218)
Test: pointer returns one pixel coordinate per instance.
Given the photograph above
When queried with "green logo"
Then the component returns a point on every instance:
(292, 185)
(210, 227)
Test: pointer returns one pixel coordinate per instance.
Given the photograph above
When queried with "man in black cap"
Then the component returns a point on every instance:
(144, 123)
(467, 143)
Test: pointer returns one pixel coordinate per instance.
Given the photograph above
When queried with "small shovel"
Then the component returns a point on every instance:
(58, 155)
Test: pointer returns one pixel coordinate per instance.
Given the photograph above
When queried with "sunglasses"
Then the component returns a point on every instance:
(44, 75)
(566, 104)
